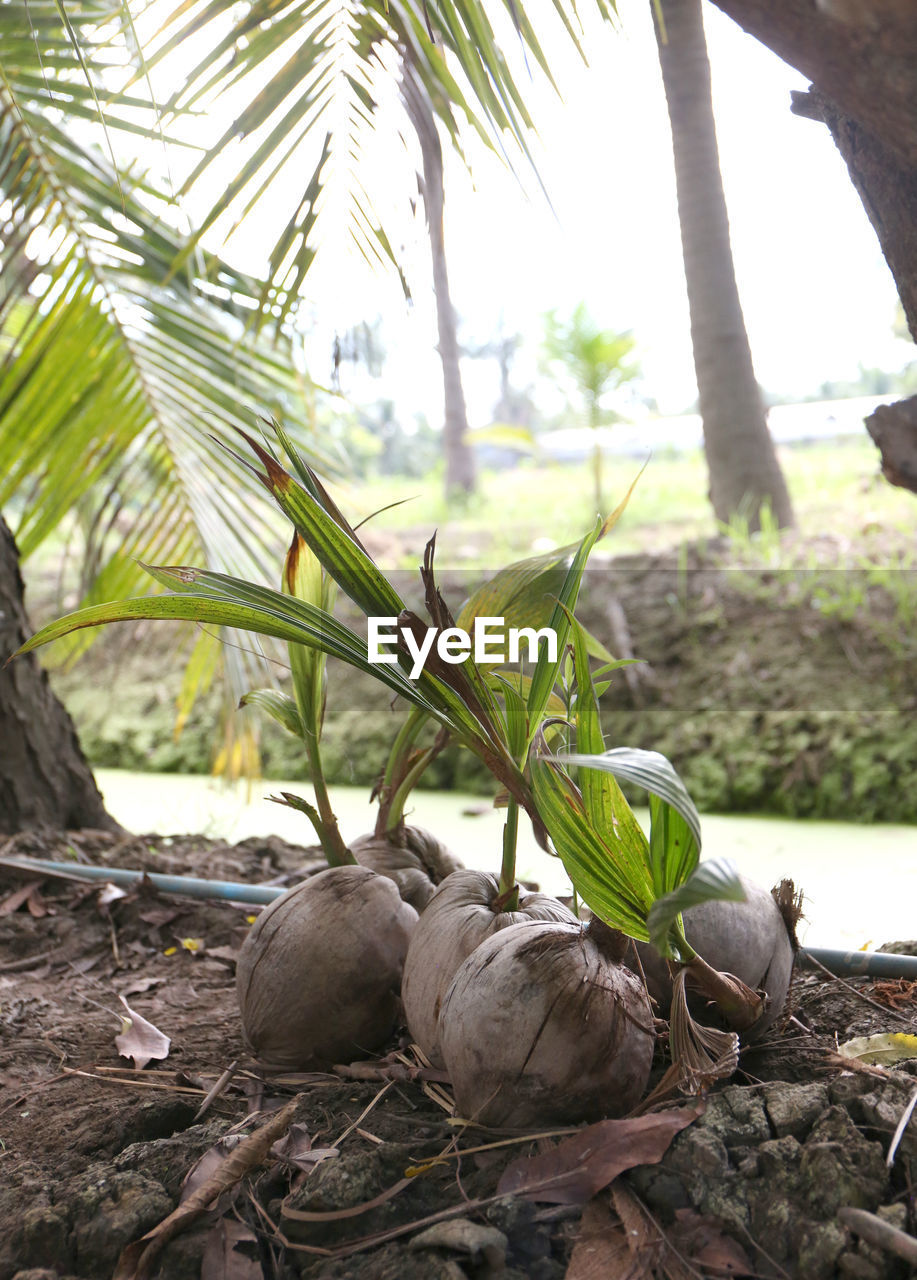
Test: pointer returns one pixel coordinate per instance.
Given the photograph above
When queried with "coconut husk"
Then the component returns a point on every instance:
(412, 857)
(541, 1026)
(458, 918)
(318, 976)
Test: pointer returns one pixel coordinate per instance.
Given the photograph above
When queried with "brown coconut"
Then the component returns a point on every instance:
(457, 919)
(543, 1025)
(319, 973)
(412, 857)
(749, 939)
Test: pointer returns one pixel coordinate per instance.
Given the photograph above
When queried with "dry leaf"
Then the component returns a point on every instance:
(110, 893)
(295, 1148)
(703, 1240)
(222, 1260)
(601, 1251)
(138, 1260)
(574, 1170)
(883, 1049)
(18, 897)
(206, 1167)
(140, 1040)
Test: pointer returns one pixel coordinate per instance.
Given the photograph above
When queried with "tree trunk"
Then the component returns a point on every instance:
(460, 463)
(44, 778)
(861, 56)
(743, 467)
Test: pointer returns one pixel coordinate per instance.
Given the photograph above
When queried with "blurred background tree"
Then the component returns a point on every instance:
(591, 364)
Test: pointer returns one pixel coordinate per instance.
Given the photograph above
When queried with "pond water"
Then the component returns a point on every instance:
(860, 881)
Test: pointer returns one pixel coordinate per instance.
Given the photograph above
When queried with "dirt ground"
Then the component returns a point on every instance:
(364, 1174)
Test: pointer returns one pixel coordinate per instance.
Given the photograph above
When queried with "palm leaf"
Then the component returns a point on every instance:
(112, 382)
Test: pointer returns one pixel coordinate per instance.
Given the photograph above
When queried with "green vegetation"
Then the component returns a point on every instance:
(836, 488)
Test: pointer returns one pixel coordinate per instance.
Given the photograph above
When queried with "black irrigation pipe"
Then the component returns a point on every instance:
(858, 964)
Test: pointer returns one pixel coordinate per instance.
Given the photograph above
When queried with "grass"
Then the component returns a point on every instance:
(836, 489)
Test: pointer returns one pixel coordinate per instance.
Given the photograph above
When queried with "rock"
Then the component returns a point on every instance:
(793, 1109)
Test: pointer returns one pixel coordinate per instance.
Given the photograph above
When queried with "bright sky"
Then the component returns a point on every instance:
(817, 294)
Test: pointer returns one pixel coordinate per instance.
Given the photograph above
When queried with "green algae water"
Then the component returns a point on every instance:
(860, 881)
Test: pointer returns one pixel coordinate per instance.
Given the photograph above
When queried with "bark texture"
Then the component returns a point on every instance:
(861, 56)
(459, 458)
(743, 467)
(44, 778)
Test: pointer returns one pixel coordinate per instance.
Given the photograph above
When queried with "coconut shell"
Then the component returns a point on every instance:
(539, 1027)
(412, 857)
(457, 919)
(319, 973)
(748, 939)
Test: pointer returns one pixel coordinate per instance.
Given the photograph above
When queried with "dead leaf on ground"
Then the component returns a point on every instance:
(207, 1166)
(222, 1260)
(110, 893)
(704, 1241)
(140, 1040)
(577, 1168)
(601, 1251)
(19, 897)
(295, 1148)
(138, 1260)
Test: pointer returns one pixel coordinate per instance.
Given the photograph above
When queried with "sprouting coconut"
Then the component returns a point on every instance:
(462, 913)
(543, 1024)
(319, 973)
(412, 857)
(753, 940)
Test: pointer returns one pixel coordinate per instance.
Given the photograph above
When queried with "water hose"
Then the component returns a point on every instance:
(858, 964)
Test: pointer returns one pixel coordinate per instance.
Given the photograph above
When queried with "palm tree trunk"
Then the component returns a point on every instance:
(743, 467)
(44, 780)
(459, 458)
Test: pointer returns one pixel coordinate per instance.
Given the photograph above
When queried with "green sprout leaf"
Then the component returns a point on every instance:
(714, 881)
(650, 770)
(278, 705)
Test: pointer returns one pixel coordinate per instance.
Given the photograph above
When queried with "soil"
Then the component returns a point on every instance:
(94, 1152)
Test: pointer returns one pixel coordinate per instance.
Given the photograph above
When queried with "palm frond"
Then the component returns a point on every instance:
(115, 386)
(316, 80)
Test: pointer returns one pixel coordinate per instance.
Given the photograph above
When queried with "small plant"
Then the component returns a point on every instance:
(522, 724)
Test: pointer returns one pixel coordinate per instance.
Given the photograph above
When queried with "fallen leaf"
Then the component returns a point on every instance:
(110, 893)
(194, 945)
(138, 1260)
(157, 916)
(37, 907)
(140, 1040)
(18, 897)
(222, 1260)
(703, 1240)
(206, 1167)
(880, 1050)
(577, 1168)
(295, 1148)
(601, 1251)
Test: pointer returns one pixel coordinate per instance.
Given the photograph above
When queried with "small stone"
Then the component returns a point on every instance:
(464, 1236)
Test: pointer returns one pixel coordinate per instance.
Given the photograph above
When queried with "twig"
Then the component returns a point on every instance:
(131, 1084)
(899, 1131)
(217, 1089)
(810, 960)
(363, 1114)
(880, 1233)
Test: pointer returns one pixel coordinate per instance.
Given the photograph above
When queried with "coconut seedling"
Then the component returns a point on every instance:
(413, 858)
(293, 986)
